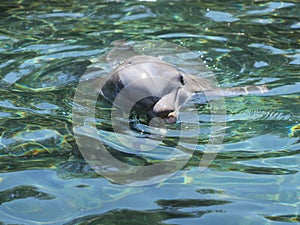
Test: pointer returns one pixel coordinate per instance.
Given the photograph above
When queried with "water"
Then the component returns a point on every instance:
(45, 48)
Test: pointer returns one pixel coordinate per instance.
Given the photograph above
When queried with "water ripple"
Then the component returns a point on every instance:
(272, 49)
(137, 12)
(271, 7)
(50, 48)
(257, 115)
(221, 16)
(46, 46)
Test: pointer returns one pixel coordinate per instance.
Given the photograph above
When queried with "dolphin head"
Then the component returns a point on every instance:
(151, 85)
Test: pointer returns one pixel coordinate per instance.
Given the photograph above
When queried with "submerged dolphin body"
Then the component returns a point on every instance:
(155, 86)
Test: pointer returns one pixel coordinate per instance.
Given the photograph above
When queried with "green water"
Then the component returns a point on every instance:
(45, 47)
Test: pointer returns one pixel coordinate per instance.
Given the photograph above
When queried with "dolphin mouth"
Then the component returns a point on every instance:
(171, 118)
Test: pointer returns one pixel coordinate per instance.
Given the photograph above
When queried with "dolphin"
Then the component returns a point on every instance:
(154, 86)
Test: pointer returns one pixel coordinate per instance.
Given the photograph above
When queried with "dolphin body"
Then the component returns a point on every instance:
(156, 87)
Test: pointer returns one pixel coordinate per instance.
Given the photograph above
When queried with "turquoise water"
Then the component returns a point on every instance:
(45, 47)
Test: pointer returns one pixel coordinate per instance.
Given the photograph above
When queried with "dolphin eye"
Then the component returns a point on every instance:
(181, 79)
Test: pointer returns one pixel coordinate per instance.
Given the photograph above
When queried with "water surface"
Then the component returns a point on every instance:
(45, 48)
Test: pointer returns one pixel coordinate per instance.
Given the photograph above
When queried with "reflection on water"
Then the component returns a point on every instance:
(45, 48)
